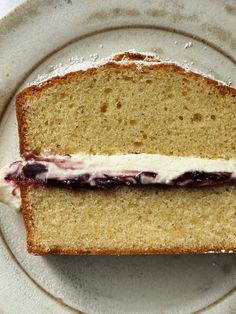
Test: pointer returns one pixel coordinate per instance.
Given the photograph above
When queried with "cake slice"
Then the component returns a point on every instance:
(133, 104)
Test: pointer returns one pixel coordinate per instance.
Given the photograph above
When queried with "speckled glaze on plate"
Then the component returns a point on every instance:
(40, 35)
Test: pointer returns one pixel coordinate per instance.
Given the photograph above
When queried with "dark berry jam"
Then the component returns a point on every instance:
(202, 178)
(31, 170)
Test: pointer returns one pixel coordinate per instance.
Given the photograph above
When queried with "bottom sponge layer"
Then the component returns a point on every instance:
(130, 220)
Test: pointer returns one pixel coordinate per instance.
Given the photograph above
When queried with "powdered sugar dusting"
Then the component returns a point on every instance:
(217, 252)
(94, 56)
(188, 45)
(78, 64)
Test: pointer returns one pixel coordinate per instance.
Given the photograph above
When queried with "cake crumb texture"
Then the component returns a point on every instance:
(132, 219)
(125, 110)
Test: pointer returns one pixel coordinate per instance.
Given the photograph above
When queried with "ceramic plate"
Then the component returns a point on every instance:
(42, 35)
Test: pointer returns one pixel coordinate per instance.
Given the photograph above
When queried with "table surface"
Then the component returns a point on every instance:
(8, 5)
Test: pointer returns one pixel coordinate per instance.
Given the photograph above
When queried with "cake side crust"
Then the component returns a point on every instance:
(27, 220)
(36, 250)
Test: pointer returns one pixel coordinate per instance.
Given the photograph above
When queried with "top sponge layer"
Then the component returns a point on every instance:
(129, 107)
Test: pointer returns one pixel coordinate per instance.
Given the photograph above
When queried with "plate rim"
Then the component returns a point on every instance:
(14, 14)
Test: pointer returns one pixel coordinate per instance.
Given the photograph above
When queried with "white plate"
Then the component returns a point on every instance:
(42, 34)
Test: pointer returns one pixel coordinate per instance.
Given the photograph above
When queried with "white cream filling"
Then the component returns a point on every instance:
(69, 167)
(9, 193)
(167, 167)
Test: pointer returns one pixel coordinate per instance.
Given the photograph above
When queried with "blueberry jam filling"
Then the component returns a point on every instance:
(188, 179)
(33, 169)
(35, 172)
(202, 178)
